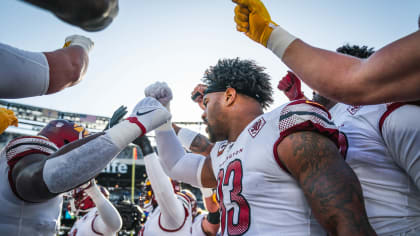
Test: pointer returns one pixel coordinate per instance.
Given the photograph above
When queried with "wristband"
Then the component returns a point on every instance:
(279, 41)
(124, 133)
(186, 137)
(213, 217)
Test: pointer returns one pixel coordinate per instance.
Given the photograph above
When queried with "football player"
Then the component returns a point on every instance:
(382, 145)
(169, 212)
(275, 173)
(99, 216)
(390, 74)
(203, 223)
(36, 170)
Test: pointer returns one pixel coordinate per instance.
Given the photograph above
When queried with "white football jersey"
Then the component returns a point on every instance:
(392, 200)
(152, 227)
(197, 229)
(256, 195)
(85, 226)
(18, 217)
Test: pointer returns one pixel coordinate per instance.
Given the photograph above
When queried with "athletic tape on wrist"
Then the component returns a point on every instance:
(279, 41)
(206, 192)
(186, 137)
(124, 133)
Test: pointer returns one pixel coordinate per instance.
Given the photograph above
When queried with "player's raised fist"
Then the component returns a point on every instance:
(197, 95)
(252, 18)
(291, 86)
(161, 92)
(149, 114)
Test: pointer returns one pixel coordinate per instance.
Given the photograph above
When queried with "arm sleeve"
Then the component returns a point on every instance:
(172, 210)
(109, 219)
(66, 171)
(178, 164)
(22, 73)
(401, 131)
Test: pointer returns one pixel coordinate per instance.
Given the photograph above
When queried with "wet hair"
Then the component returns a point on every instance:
(245, 76)
(356, 51)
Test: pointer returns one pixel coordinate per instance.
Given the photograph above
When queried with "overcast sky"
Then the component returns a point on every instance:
(175, 41)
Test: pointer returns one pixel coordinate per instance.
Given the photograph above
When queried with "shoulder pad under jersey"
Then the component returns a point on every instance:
(22, 146)
(304, 115)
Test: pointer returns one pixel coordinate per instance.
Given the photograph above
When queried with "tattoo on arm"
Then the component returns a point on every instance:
(329, 184)
(201, 145)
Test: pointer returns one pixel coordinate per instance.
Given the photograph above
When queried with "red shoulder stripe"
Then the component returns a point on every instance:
(390, 108)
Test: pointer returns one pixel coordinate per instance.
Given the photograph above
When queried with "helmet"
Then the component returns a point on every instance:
(80, 202)
(147, 199)
(191, 196)
(62, 132)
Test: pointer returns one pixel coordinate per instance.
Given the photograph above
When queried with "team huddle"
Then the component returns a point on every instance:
(308, 167)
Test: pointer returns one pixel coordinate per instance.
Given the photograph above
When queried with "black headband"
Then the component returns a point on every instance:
(215, 88)
(220, 88)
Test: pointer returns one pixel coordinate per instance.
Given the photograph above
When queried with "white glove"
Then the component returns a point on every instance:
(149, 114)
(82, 41)
(160, 91)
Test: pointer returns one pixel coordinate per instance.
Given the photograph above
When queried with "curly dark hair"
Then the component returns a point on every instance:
(356, 51)
(243, 75)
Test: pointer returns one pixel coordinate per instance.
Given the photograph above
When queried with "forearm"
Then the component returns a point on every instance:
(67, 67)
(178, 164)
(109, 220)
(195, 142)
(171, 208)
(355, 81)
(209, 229)
(86, 161)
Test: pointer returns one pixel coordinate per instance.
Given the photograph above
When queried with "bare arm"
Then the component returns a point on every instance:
(200, 144)
(210, 228)
(390, 74)
(329, 184)
(67, 67)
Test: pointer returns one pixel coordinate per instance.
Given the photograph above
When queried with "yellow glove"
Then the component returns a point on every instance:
(7, 118)
(253, 19)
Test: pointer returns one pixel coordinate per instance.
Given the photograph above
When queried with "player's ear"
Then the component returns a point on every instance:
(230, 96)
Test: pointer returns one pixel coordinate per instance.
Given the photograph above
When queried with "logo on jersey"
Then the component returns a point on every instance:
(256, 127)
(222, 148)
(353, 109)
